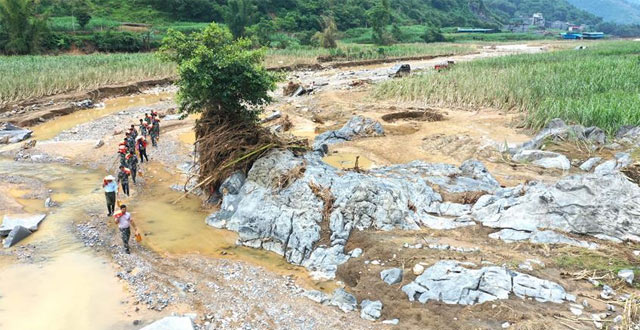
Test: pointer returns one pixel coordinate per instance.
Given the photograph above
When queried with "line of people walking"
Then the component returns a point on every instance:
(131, 152)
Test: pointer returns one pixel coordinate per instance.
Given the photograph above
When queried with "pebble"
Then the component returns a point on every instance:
(506, 325)
(418, 269)
(391, 322)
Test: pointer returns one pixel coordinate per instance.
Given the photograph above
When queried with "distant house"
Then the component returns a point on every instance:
(576, 28)
(537, 20)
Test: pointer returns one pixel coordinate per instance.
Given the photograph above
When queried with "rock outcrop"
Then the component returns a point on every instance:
(557, 130)
(546, 159)
(14, 134)
(357, 127)
(305, 210)
(601, 205)
(29, 221)
(452, 283)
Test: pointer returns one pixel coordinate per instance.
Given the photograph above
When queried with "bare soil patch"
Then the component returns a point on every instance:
(426, 115)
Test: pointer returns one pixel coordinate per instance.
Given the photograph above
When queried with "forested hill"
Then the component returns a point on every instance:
(552, 10)
(618, 11)
(290, 15)
(302, 15)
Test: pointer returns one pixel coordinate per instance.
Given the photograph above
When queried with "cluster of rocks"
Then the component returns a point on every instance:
(369, 310)
(451, 282)
(600, 205)
(10, 133)
(309, 219)
(18, 227)
(557, 130)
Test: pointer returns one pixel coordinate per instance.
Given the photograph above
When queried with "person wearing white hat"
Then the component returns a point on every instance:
(110, 187)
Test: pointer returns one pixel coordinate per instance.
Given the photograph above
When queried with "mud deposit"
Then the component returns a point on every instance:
(72, 273)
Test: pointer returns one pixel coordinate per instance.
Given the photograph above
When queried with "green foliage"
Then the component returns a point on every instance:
(120, 41)
(239, 15)
(620, 30)
(432, 34)
(327, 38)
(616, 11)
(21, 30)
(33, 76)
(552, 10)
(83, 16)
(379, 18)
(598, 86)
(219, 76)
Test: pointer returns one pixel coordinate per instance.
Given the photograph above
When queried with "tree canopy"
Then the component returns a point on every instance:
(219, 76)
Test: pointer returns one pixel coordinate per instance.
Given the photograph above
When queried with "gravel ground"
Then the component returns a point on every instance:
(224, 293)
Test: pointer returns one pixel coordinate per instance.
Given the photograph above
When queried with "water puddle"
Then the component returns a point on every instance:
(72, 291)
(180, 229)
(53, 127)
(346, 160)
(72, 288)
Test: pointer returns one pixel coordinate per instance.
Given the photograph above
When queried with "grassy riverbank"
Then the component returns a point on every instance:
(597, 86)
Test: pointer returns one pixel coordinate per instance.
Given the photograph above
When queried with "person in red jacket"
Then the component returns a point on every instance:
(141, 144)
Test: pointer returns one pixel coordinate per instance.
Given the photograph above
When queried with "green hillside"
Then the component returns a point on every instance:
(618, 11)
(552, 10)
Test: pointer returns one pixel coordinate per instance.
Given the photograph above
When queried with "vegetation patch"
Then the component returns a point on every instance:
(597, 86)
(28, 77)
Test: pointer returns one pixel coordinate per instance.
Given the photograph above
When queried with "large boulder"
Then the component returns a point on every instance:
(303, 209)
(171, 323)
(546, 159)
(557, 130)
(540, 237)
(357, 127)
(602, 205)
(29, 221)
(14, 133)
(451, 282)
(17, 234)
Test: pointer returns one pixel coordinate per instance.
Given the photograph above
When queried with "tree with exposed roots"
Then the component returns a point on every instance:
(224, 80)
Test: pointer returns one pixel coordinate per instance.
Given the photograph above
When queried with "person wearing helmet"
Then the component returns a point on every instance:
(143, 128)
(110, 186)
(132, 160)
(123, 179)
(122, 153)
(141, 144)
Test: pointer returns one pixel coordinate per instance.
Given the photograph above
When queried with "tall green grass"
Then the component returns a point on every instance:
(599, 86)
(27, 77)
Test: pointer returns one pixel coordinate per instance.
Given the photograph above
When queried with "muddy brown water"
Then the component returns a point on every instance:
(54, 127)
(73, 288)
